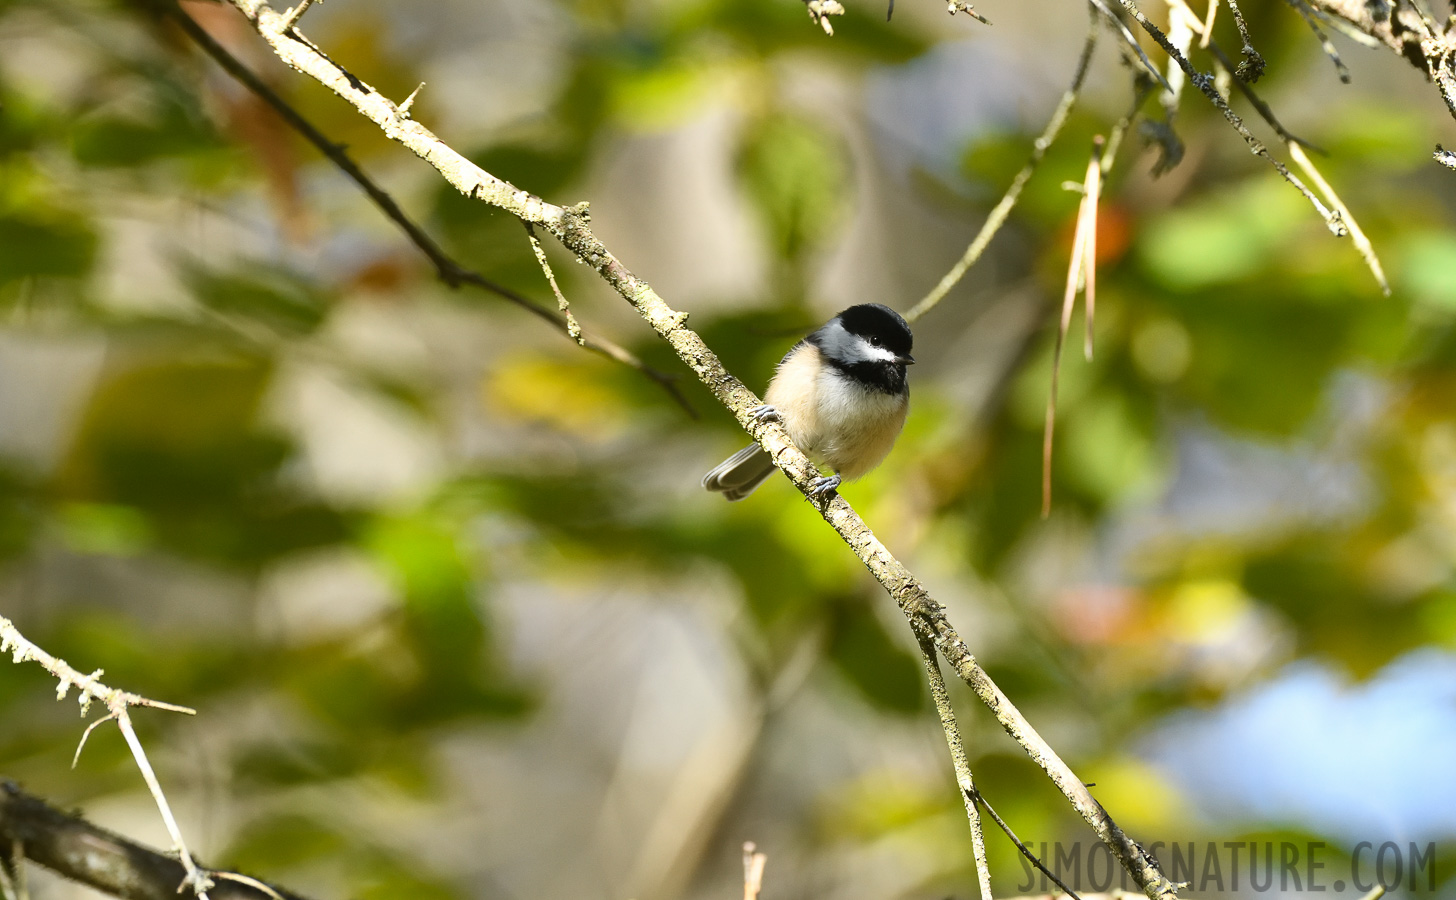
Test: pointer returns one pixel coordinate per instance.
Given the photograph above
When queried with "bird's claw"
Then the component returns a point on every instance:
(824, 484)
(765, 413)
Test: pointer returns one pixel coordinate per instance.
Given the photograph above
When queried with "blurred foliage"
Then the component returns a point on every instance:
(1224, 307)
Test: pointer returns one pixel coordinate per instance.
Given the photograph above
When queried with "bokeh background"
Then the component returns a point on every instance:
(459, 621)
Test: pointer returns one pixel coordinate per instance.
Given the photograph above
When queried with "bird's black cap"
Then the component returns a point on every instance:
(874, 320)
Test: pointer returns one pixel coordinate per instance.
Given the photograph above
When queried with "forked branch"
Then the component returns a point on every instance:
(572, 226)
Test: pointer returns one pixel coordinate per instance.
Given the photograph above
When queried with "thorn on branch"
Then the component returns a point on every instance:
(404, 107)
(293, 15)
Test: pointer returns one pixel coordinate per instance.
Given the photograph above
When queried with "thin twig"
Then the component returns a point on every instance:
(1208, 23)
(572, 227)
(959, 761)
(1362, 243)
(572, 328)
(1003, 208)
(249, 881)
(1127, 36)
(1324, 39)
(196, 878)
(1204, 83)
(976, 797)
(1257, 102)
(447, 269)
(1252, 68)
(73, 848)
(955, 6)
(86, 735)
(291, 17)
(117, 703)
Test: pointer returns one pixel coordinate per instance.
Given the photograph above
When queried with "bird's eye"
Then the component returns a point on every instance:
(875, 341)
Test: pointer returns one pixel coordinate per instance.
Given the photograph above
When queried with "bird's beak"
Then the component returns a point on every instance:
(907, 360)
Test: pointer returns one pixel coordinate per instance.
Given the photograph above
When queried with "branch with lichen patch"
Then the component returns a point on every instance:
(73, 848)
(118, 703)
(572, 227)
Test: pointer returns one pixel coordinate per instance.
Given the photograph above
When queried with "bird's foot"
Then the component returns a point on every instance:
(824, 484)
(766, 413)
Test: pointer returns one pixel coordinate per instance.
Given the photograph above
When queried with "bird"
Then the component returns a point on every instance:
(840, 393)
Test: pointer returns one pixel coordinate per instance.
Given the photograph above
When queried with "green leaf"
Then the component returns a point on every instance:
(34, 245)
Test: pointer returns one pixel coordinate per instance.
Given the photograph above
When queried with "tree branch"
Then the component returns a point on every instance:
(1205, 84)
(1002, 210)
(1408, 33)
(572, 226)
(74, 848)
(959, 762)
(118, 704)
(446, 268)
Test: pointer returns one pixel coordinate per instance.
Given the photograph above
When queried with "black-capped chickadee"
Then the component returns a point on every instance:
(841, 395)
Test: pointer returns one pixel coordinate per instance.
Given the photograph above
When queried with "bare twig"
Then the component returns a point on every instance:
(293, 15)
(1362, 243)
(572, 328)
(976, 797)
(1002, 210)
(753, 863)
(1324, 39)
(71, 847)
(1127, 36)
(1257, 102)
(250, 882)
(446, 268)
(1252, 67)
(117, 703)
(959, 762)
(572, 226)
(955, 6)
(1205, 84)
(1405, 29)
(1208, 23)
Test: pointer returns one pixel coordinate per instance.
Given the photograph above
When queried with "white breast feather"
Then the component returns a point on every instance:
(837, 422)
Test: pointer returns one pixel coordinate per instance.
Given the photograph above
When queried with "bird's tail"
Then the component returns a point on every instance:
(737, 476)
